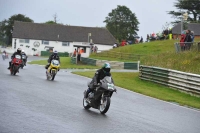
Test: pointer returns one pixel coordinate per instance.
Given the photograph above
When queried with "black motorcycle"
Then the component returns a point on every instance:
(24, 58)
(100, 97)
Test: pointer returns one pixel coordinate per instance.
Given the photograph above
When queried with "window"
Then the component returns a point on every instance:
(65, 43)
(23, 40)
(45, 42)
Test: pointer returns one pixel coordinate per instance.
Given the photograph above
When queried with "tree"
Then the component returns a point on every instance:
(122, 23)
(50, 22)
(6, 27)
(192, 7)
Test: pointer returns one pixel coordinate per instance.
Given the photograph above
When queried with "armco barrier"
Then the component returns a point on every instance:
(131, 65)
(114, 64)
(88, 61)
(73, 60)
(61, 54)
(175, 79)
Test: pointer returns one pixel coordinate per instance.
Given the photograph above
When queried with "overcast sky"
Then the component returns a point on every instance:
(152, 14)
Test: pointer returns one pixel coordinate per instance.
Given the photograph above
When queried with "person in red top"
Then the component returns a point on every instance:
(123, 43)
(182, 44)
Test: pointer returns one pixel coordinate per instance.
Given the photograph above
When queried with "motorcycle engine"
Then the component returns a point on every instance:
(91, 95)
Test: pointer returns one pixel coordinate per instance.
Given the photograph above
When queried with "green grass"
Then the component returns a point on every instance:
(65, 63)
(132, 82)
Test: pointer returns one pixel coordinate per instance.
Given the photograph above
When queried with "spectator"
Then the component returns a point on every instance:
(123, 43)
(95, 49)
(192, 36)
(188, 40)
(74, 54)
(182, 44)
(82, 51)
(79, 54)
(141, 40)
(147, 37)
(115, 45)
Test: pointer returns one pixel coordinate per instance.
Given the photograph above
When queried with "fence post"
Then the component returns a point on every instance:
(138, 66)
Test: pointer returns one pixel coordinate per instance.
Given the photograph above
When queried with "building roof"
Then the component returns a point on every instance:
(191, 26)
(57, 32)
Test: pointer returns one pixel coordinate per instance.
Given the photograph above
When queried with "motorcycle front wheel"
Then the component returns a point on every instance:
(85, 104)
(104, 105)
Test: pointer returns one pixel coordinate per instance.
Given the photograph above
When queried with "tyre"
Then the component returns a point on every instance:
(104, 105)
(11, 70)
(14, 73)
(85, 104)
(53, 77)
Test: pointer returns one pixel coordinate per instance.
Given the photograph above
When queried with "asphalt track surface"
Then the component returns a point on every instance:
(31, 104)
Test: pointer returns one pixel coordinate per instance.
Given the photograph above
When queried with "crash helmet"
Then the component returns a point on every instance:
(19, 50)
(106, 68)
(55, 52)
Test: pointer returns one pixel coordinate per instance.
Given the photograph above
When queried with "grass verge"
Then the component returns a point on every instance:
(65, 63)
(131, 82)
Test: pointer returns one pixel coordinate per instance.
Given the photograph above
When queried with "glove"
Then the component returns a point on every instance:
(95, 84)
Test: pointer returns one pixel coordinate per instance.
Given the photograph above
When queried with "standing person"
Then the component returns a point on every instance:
(79, 54)
(74, 54)
(182, 44)
(95, 49)
(192, 36)
(115, 45)
(188, 40)
(141, 40)
(147, 37)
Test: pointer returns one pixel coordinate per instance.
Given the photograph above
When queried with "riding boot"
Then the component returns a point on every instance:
(9, 65)
(87, 92)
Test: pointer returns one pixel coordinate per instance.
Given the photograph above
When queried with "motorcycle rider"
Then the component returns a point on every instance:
(23, 53)
(99, 75)
(54, 56)
(16, 53)
(4, 52)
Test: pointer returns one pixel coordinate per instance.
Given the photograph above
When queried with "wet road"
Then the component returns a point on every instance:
(31, 104)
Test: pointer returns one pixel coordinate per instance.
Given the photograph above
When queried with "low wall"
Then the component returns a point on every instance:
(114, 64)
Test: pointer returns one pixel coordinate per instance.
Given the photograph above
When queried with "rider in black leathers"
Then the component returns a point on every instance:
(23, 53)
(16, 53)
(99, 75)
(54, 56)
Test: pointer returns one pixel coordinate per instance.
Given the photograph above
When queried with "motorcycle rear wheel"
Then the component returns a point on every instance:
(103, 108)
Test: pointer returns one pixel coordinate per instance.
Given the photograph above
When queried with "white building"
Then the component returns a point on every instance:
(35, 37)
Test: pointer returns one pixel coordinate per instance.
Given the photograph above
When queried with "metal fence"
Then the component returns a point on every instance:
(187, 46)
(119, 55)
(175, 79)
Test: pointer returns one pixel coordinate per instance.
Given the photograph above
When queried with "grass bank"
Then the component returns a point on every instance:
(131, 82)
(160, 54)
(66, 64)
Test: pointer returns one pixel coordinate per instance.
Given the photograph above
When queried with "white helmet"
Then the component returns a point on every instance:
(22, 51)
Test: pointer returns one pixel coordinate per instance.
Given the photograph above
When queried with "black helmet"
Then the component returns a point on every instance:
(19, 50)
(106, 68)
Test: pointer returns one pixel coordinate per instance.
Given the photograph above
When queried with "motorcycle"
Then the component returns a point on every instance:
(23, 61)
(100, 98)
(15, 64)
(53, 69)
(3, 56)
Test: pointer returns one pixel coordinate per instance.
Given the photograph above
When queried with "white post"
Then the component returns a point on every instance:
(138, 66)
